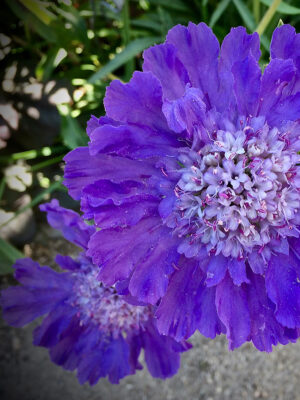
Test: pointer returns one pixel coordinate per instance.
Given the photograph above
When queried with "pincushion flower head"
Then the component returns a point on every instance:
(87, 326)
(193, 179)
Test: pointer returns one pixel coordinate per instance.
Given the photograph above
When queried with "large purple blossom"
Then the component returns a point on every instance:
(193, 178)
(87, 326)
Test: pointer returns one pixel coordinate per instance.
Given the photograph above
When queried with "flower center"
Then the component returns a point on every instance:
(239, 191)
(104, 306)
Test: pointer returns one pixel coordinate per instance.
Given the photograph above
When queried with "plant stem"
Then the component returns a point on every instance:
(46, 163)
(256, 10)
(32, 154)
(129, 66)
(267, 17)
(2, 186)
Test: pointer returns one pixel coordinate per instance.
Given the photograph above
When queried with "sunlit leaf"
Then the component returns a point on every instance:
(283, 8)
(39, 9)
(72, 134)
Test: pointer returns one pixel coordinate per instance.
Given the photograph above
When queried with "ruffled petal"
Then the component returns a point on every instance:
(277, 75)
(131, 141)
(143, 94)
(43, 289)
(82, 169)
(216, 270)
(163, 62)
(110, 357)
(198, 50)
(286, 110)
(236, 46)
(161, 359)
(48, 333)
(149, 280)
(74, 229)
(237, 271)
(118, 251)
(247, 75)
(283, 288)
(188, 305)
(185, 113)
(285, 43)
(232, 308)
(265, 329)
(256, 263)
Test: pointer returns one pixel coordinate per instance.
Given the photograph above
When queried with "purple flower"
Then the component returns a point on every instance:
(87, 326)
(193, 179)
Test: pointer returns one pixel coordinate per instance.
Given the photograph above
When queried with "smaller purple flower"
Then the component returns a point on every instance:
(87, 326)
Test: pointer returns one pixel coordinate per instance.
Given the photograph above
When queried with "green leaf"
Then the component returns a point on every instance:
(49, 62)
(283, 8)
(147, 23)
(135, 47)
(176, 5)
(72, 134)
(45, 31)
(72, 16)
(245, 14)
(39, 10)
(221, 7)
(8, 256)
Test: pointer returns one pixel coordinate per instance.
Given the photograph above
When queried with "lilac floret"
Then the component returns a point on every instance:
(87, 326)
(194, 187)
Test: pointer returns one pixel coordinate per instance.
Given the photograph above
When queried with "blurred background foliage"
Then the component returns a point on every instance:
(57, 58)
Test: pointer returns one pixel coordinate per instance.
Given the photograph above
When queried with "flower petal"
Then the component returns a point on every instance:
(247, 75)
(185, 113)
(68, 222)
(118, 251)
(283, 288)
(232, 308)
(161, 359)
(198, 50)
(277, 75)
(82, 169)
(149, 280)
(237, 271)
(236, 46)
(43, 289)
(143, 95)
(188, 305)
(164, 63)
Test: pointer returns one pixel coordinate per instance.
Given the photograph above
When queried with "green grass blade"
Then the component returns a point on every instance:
(221, 7)
(39, 10)
(130, 51)
(8, 256)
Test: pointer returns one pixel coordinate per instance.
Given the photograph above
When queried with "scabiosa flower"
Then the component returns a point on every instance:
(87, 326)
(193, 178)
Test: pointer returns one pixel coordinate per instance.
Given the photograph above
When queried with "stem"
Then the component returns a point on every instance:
(32, 154)
(256, 10)
(46, 163)
(129, 67)
(2, 186)
(267, 17)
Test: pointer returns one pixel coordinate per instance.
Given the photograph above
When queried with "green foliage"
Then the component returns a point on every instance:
(85, 44)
